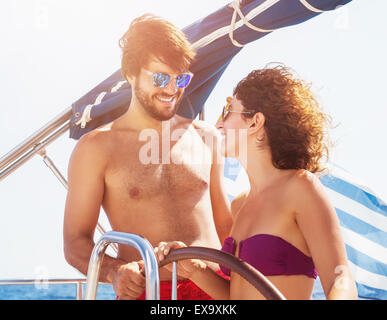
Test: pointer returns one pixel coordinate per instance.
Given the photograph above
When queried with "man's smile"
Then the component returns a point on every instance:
(167, 100)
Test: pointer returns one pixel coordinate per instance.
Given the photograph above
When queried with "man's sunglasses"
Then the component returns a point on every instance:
(161, 80)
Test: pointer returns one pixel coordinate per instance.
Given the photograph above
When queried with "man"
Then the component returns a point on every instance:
(159, 189)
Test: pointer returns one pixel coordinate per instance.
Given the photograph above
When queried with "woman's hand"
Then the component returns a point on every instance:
(185, 268)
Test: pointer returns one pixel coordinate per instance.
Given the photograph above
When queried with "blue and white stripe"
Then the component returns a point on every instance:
(363, 222)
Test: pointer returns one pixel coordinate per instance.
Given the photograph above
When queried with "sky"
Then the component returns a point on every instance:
(53, 52)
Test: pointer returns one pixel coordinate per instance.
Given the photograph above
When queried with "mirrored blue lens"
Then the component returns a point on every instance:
(160, 80)
(183, 80)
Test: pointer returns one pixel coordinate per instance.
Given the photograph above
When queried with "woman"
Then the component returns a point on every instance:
(284, 225)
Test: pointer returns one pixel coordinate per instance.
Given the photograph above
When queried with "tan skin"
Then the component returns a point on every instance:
(290, 204)
(172, 199)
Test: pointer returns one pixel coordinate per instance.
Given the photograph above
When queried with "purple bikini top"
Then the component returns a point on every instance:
(271, 255)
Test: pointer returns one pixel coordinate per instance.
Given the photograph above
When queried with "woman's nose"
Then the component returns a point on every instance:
(219, 125)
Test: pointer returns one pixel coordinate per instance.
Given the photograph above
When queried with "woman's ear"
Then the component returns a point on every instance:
(257, 123)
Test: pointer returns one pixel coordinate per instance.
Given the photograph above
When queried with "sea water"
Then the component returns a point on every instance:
(66, 291)
(69, 292)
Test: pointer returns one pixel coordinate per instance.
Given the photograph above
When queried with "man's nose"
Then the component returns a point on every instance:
(171, 88)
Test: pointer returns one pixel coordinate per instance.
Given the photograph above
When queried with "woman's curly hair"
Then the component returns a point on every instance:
(295, 125)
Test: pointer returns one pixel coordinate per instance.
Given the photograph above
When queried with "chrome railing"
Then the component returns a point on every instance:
(35, 144)
(152, 285)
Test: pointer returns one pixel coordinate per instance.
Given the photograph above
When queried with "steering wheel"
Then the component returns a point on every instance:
(246, 271)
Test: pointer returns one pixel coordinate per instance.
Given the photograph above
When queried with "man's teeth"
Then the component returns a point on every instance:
(166, 99)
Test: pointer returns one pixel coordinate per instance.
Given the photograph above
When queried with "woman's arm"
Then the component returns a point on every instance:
(212, 283)
(320, 227)
(197, 271)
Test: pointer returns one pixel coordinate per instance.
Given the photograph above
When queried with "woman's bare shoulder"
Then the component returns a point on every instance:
(306, 190)
(304, 180)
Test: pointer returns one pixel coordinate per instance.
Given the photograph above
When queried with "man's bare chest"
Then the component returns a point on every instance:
(139, 170)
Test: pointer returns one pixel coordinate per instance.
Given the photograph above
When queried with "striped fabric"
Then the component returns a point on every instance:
(363, 221)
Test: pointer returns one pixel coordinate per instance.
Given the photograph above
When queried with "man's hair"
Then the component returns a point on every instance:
(295, 125)
(151, 36)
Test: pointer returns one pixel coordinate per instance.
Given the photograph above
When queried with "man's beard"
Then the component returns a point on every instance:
(146, 102)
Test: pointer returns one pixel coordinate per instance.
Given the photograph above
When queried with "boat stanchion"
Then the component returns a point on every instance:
(152, 286)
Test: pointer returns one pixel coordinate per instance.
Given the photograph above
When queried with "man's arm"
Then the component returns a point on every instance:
(84, 198)
(85, 194)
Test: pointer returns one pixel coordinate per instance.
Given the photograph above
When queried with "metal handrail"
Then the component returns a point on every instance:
(35, 144)
(152, 284)
(34, 139)
(22, 155)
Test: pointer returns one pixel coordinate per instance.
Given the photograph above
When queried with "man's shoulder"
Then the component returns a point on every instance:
(95, 138)
(95, 143)
(106, 135)
(105, 140)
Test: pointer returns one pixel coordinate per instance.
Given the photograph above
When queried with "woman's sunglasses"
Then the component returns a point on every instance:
(161, 80)
(227, 110)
